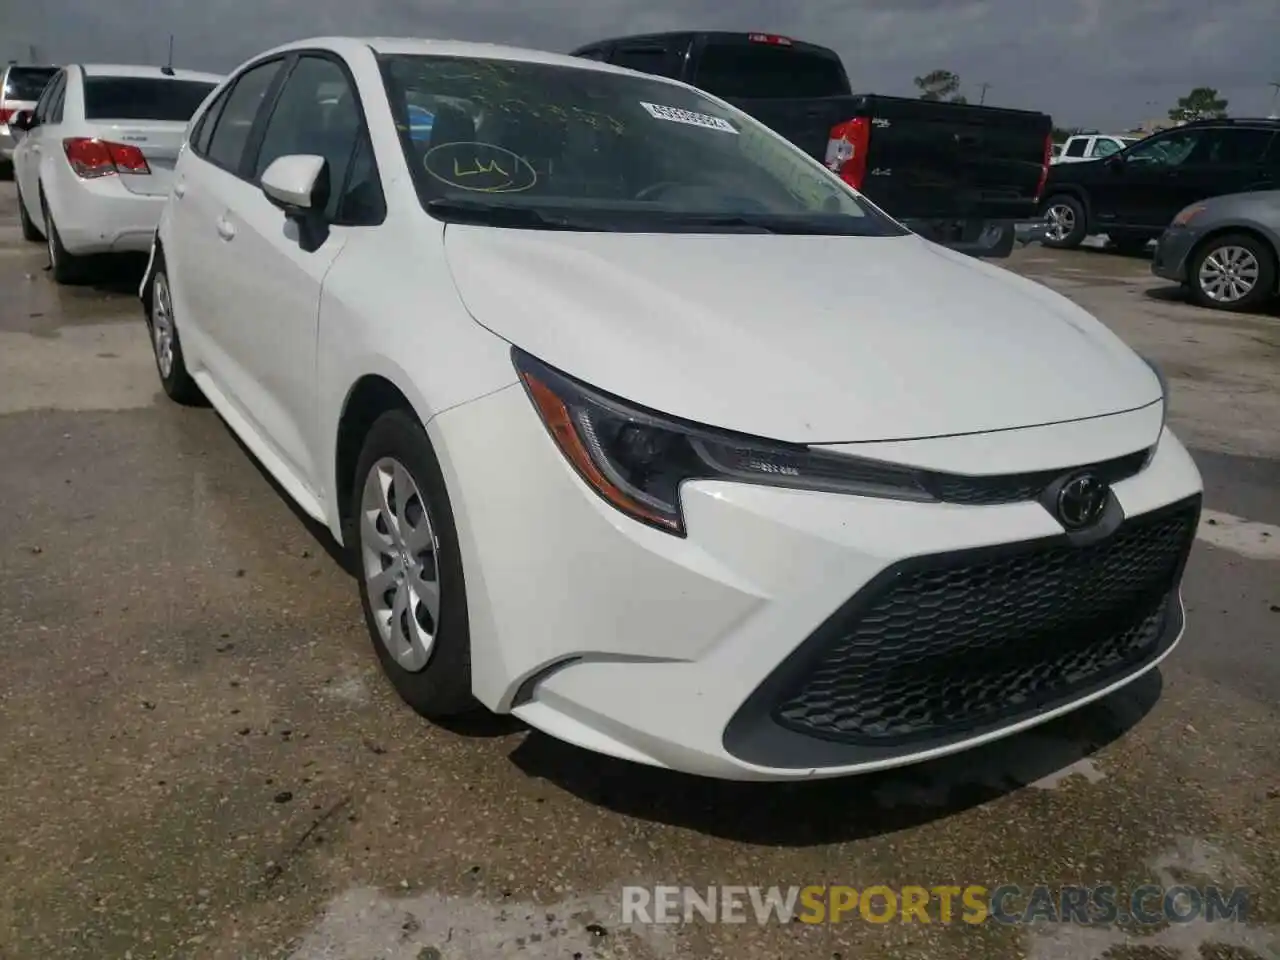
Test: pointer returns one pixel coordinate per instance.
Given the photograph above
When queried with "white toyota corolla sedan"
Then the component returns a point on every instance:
(649, 430)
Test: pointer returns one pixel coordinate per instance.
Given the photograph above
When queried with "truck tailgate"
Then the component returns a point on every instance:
(938, 160)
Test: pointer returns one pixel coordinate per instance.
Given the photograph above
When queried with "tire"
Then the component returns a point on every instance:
(1068, 223)
(66, 267)
(1130, 244)
(433, 677)
(166, 347)
(30, 232)
(1252, 283)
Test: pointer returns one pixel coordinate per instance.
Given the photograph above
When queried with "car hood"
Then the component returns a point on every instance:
(810, 339)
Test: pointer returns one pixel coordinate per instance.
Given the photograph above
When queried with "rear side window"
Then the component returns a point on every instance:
(143, 98)
(1076, 148)
(27, 83)
(750, 71)
(1239, 146)
(653, 58)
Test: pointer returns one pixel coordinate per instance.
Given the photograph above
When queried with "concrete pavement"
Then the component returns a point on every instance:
(201, 759)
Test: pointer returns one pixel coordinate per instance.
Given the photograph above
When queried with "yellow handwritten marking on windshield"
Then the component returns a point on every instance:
(468, 172)
(479, 168)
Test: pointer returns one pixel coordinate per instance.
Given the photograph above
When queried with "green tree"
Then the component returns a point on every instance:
(1202, 103)
(938, 85)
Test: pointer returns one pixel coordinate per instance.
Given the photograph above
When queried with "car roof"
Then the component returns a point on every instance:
(144, 71)
(419, 46)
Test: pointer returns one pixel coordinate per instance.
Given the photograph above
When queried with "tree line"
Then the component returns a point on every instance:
(1202, 103)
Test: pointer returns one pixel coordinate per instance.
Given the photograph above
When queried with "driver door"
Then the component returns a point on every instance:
(1144, 187)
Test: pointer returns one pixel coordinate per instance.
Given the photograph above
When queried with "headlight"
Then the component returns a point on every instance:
(636, 459)
(1164, 404)
(1185, 214)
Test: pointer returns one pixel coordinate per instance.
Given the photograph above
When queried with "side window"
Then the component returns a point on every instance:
(203, 131)
(1239, 147)
(231, 132)
(46, 98)
(59, 98)
(1077, 146)
(1272, 159)
(1170, 150)
(651, 58)
(316, 113)
(1105, 147)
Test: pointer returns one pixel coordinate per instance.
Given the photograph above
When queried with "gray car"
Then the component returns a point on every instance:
(1224, 250)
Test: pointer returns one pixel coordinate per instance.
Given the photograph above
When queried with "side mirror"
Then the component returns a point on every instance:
(23, 120)
(1115, 162)
(298, 184)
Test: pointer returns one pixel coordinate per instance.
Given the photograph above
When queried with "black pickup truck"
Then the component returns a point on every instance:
(958, 174)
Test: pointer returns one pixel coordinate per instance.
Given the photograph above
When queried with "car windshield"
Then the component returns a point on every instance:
(27, 83)
(542, 145)
(143, 98)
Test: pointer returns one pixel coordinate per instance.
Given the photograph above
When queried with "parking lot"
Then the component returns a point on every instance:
(201, 759)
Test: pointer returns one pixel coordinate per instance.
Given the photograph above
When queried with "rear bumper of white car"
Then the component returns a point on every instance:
(102, 215)
(793, 633)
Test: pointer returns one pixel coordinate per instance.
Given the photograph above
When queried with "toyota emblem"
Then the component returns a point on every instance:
(1082, 500)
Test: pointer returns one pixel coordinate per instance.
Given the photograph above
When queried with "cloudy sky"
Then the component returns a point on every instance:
(1103, 63)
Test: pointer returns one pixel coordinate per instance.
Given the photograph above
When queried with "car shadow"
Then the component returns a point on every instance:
(114, 273)
(345, 559)
(817, 812)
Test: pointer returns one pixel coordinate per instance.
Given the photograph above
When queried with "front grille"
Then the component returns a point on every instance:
(1010, 488)
(959, 642)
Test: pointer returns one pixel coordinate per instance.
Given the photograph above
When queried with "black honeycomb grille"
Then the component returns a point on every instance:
(963, 643)
(1011, 488)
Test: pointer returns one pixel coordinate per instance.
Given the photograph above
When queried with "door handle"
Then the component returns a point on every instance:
(226, 230)
(180, 190)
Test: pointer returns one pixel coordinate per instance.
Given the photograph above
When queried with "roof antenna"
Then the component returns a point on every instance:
(167, 69)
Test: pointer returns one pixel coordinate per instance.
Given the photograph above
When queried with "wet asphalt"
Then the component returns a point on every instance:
(199, 757)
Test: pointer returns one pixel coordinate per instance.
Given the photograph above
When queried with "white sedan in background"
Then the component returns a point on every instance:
(647, 429)
(95, 158)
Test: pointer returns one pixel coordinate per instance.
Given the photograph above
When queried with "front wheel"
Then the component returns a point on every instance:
(400, 523)
(1067, 222)
(1233, 272)
(165, 345)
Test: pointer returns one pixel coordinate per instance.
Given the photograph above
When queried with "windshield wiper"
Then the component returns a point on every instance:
(453, 210)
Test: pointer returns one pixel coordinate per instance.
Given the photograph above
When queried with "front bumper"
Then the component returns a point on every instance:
(732, 653)
(1172, 252)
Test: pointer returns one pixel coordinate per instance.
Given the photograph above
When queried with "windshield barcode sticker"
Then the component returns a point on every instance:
(676, 115)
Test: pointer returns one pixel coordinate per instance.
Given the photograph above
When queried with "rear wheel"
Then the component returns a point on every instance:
(1233, 272)
(1067, 223)
(400, 523)
(65, 267)
(30, 232)
(1130, 244)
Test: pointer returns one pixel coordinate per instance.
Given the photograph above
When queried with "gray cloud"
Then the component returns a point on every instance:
(1103, 63)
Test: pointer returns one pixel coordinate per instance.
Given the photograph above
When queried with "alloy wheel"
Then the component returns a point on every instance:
(50, 242)
(1228, 274)
(1062, 220)
(162, 324)
(398, 553)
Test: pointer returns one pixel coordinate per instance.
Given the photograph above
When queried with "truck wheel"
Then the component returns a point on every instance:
(1232, 272)
(1067, 223)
